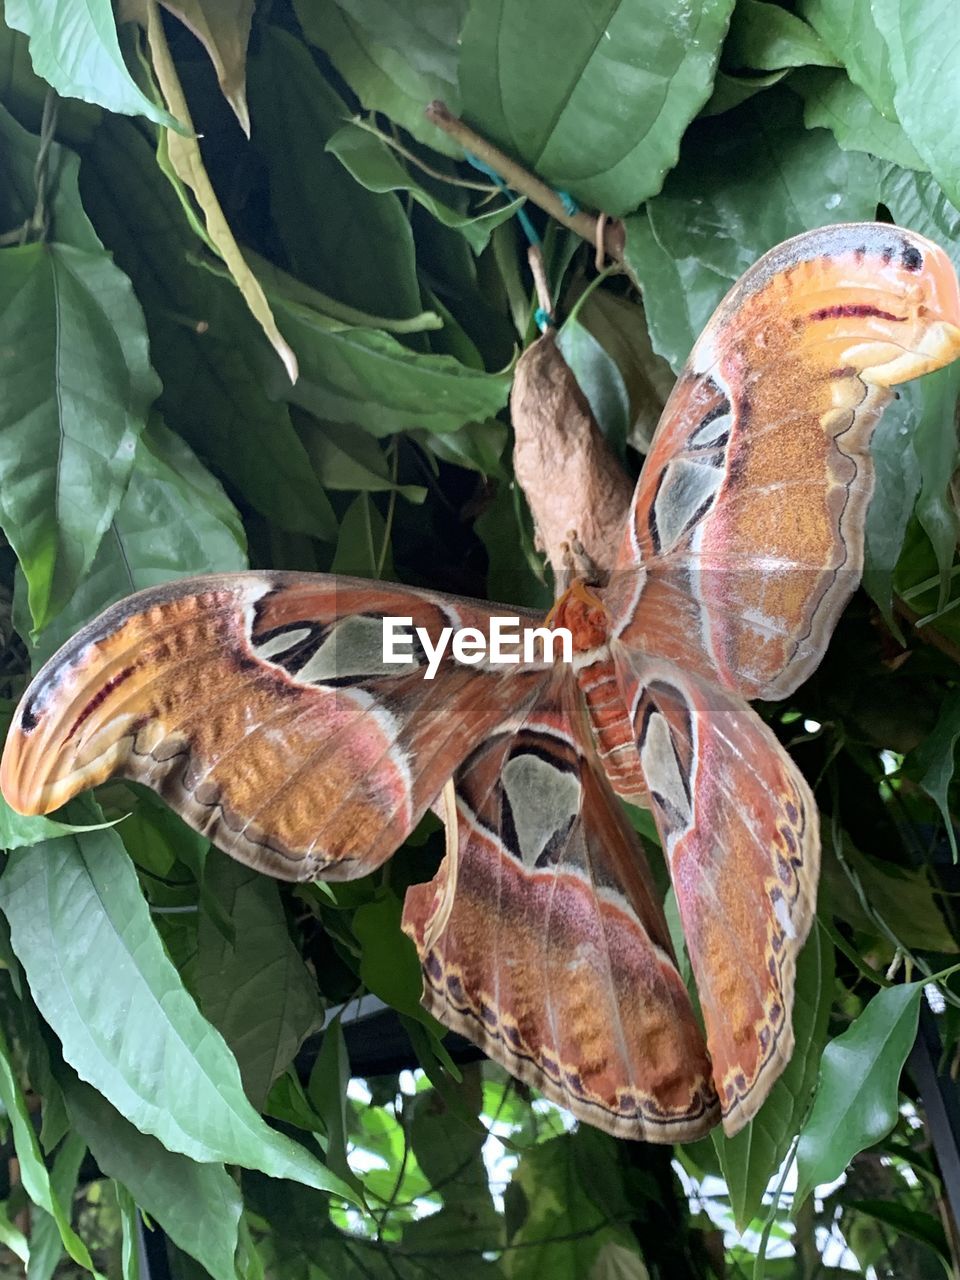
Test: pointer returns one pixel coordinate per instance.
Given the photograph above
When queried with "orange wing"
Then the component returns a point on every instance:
(556, 958)
(260, 708)
(740, 832)
(748, 518)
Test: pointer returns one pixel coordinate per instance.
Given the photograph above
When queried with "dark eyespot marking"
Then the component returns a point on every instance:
(887, 254)
(911, 257)
(852, 309)
(860, 252)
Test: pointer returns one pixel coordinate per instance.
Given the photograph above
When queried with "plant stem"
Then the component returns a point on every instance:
(520, 179)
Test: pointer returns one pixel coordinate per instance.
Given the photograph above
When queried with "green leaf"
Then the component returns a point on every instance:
(599, 379)
(906, 1221)
(74, 47)
(33, 1172)
(223, 27)
(833, 102)
(256, 990)
(18, 831)
(376, 167)
(389, 966)
(327, 1091)
(72, 402)
(551, 90)
(202, 338)
(347, 458)
(516, 572)
(932, 763)
(897, 485)
(363, 548)
(395, 57)
(129, 1244)
(339, 237)
(174, 519)
(935, 443)
(753, 1157)
(621, 327)
(924, 46)
(138, 1038)
(679, 294)
(856, 1101)
(24, 94)
(751, 180)
(367, 377)
(917, 200)
(198, 1205)
(18, 196)
(764, 37)
(850, 31)
(46, 1245)
(902, 897)
(564, 1230)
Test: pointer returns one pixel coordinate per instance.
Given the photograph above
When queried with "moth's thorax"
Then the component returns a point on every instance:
(583, 614)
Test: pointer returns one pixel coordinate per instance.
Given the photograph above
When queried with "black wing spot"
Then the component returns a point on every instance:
(911, 257)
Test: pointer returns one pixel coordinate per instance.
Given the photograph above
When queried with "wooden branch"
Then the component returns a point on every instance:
(520, 179)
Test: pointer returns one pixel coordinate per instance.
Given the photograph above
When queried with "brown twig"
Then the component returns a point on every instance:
(542, 285)
(520, 179)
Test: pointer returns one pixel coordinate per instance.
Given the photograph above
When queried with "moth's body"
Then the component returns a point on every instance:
(259, 705)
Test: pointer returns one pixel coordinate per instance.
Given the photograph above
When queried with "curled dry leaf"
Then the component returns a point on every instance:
(187, 162)
(570, 475)
(223, 28)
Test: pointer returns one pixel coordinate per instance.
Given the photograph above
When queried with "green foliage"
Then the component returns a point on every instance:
(181, 1022)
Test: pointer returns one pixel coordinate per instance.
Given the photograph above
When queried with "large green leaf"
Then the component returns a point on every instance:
(74, 46)
(856, 1101)
(849, 29)
(23, 92)
(834, 102)
(367, 377)
(764, 37)
(923, 39)
(202, 338)
(395, 57)
(256, 989)
(755, 178)
(198, 1205)
(595, 97)
(679, 294)
(753, 1157)
(564, 1229)
(918, 201)
(173, 520)
(897, 485)
(73, 400)
(350, 242)
(76, 914)
(744, 183)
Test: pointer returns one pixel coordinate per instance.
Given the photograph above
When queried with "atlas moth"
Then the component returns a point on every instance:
(259, 706)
